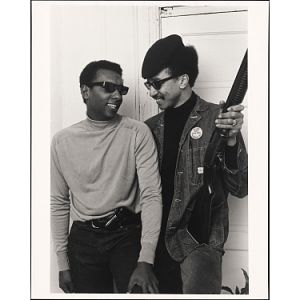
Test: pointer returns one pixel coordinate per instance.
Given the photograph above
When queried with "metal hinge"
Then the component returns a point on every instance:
(166, 11)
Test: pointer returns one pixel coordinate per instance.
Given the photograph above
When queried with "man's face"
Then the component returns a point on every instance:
(168, 95)
(101, 104)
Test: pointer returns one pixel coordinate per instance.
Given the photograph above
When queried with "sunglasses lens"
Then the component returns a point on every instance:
(156, 84)
(123, 90)
(109, 87)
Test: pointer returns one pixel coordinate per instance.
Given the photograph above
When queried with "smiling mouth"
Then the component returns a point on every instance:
(112, 106)
(159, 101)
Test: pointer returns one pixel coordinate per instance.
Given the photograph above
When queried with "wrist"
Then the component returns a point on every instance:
(230, 161)
(144, 264)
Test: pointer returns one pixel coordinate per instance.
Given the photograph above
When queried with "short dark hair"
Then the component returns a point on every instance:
(186, 62)
(89, 72)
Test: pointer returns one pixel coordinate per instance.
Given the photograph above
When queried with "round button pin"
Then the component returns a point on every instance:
(196, 133)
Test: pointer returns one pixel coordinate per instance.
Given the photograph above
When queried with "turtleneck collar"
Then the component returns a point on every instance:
(187, 105)
(101, 125)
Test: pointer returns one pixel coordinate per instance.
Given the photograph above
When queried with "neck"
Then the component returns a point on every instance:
(184, 96)
(96, 117)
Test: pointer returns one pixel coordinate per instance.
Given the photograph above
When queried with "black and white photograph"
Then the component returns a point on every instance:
(149, 152)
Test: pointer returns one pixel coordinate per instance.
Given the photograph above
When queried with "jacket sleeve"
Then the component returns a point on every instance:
(236, 179)
(60, 209)
(150, 193)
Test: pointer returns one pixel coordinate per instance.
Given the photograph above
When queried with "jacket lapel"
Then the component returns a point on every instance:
(193, 118)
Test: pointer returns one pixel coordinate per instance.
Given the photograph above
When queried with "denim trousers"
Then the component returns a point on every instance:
(101, 260)
(199, 273)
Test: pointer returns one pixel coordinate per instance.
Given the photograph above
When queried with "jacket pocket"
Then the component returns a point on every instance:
(217, 237)
(192, 237)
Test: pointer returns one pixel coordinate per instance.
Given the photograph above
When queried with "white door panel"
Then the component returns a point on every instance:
(220, 38)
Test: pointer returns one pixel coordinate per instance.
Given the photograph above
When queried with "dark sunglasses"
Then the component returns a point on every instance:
(110, 87)
(157, 83)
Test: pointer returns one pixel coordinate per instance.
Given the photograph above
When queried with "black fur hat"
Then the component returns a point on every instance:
(162, 54)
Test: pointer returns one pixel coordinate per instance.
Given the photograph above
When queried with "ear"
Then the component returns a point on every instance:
(183, 81)
(85, 92)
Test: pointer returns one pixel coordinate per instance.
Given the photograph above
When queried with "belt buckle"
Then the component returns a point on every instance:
(109, 223)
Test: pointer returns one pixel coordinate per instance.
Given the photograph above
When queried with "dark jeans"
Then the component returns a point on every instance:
(167, 270)
(199, 273)
(102, 261)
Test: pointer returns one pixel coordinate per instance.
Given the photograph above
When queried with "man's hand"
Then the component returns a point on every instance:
(233, 120)
(65, 281)
(143, 276)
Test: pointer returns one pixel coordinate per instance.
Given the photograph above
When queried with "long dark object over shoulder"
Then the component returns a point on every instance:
(207, 197)
(235, 97)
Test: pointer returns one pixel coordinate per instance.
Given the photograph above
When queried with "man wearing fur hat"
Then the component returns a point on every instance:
(190, 249)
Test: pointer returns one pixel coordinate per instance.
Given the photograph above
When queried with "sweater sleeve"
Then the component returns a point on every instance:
(60, 209)
(150, 193)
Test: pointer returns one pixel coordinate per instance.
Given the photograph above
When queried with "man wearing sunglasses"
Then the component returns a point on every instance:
(190, 248)
(104, 175)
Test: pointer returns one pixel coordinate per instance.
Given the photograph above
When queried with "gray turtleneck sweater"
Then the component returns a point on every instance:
(97, 166)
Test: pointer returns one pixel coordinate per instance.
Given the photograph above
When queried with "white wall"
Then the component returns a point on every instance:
(82, 33)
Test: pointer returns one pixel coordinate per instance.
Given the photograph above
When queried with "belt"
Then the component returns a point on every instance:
(120, 218)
